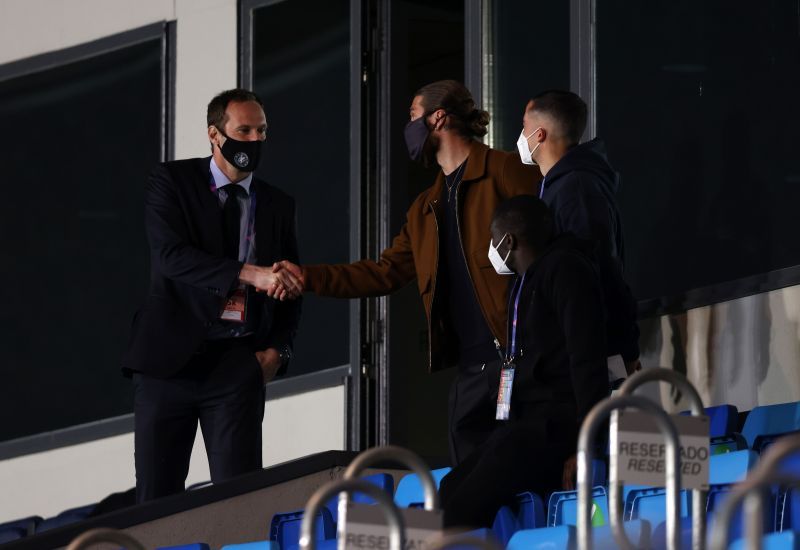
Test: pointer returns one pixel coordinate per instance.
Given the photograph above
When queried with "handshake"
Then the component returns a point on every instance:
(283, 281)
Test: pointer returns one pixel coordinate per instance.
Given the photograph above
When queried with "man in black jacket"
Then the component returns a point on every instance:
(580, 188)
(205, 342)
(555, 366)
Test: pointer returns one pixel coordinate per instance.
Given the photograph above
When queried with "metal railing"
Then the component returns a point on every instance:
(93, 536)
(586, 440)
(699, 496)
(751, 491)
(321, 496)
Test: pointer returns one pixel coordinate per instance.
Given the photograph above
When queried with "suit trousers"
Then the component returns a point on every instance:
(222, 388)
(472, 407)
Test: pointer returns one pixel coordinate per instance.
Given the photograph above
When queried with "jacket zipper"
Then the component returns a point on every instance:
(466, 264)
(433, 290)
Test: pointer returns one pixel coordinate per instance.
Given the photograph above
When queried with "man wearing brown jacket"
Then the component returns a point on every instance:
(444, 245)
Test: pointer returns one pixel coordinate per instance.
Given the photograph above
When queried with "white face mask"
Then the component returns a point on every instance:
(498, 262)
(522, 144)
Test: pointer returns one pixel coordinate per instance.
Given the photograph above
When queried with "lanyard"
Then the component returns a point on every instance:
(541, 188)
(512, 351)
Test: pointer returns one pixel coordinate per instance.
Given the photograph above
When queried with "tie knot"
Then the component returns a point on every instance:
(234, 190)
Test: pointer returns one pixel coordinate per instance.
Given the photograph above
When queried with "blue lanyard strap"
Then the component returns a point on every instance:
(512, 352)
(541, 188)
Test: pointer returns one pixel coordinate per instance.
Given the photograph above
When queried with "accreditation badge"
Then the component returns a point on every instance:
(235, 309)
(504, 393)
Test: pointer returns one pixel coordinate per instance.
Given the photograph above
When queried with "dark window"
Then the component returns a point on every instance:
(301, 71)
(529, 53)
(698, 104)
(77, 144)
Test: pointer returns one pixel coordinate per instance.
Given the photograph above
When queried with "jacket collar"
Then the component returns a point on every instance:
(474, 170)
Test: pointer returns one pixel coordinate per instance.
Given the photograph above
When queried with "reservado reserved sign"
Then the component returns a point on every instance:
(639, 448)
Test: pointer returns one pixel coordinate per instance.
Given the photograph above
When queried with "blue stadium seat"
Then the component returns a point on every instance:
(561, 537)
(285, 528)
(530, 511)
(505, 525)
(193, 546)
(27, 525)
(788, 540)
(409, 490)
(257, 545)
(566, 537)
(562, 508)
(8, 534)
(766, 422)
(67, 517)
(723, 422)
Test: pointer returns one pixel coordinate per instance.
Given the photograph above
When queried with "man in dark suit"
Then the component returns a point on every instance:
(211, 333)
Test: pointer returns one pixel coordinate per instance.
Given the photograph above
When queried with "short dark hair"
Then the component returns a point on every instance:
(566, 108)
(215, 116)
(527, 217)
(456, 100)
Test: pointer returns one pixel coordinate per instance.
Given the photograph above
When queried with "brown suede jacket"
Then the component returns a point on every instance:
(489, 178)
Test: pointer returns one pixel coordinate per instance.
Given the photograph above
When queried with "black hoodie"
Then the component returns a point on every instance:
(580, 190)
(560, 331)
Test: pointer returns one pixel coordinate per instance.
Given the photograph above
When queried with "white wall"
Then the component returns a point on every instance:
(47, 483)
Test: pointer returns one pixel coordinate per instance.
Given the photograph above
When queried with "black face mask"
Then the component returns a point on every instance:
(416, 134)
(244, 155)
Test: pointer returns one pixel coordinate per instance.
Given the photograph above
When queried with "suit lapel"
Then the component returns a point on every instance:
(209, 204)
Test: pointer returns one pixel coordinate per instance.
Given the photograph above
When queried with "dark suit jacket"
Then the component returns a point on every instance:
(190, 276)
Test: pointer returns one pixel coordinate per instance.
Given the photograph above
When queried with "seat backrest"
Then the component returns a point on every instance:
(409, 489)
(7, 534)
(731, 467)
(28, 525)
(788, 540)
(530, 511)
(255, 545)
(771, 419)
(505, 525)
(562, 508)
(285, 528)
(561, 536)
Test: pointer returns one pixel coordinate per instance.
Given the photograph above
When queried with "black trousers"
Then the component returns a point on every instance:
(472, 407)
(222, 388)
(526, 453)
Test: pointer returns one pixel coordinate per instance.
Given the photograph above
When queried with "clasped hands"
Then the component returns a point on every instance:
(283, 280)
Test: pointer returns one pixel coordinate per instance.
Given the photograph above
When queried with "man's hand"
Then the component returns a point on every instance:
(279, 285)
(270, 361)
(289, 269)
(570, 473)
(633, 366)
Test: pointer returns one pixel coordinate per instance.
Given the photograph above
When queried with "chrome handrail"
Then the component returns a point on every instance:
(699, 496)
(321, 496)
(586, 439)
(752, 489)
(93, 536)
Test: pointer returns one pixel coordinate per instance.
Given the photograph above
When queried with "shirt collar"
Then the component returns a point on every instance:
(221, 180)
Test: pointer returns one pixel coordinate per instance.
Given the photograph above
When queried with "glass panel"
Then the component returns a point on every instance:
(78, 143)
(529, 53)
(427, 44)
(698, 104)
(302, 73)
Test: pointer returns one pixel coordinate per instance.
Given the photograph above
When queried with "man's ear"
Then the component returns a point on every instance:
(512, 241)
(439, 119)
